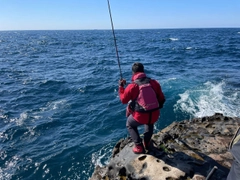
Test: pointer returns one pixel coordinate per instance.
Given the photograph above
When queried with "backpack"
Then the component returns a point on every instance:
(147, 99)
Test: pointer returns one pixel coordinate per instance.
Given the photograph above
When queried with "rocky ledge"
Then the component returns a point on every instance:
(194, 149)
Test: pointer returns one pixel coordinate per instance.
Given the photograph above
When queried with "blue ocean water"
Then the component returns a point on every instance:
(60, 113)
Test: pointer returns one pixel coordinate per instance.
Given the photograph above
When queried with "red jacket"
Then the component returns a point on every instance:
(131, 93)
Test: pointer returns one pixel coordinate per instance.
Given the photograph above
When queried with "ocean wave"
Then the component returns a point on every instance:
(172, 79)
(102, 156)
(19, 121)
(9, 168)
(173, 39)
(67, 96)
(207, 100)
(55, 105)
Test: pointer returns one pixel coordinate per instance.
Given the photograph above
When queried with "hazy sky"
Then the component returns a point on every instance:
(127, 14)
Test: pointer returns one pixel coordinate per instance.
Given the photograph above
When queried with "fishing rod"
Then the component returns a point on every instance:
(115, 41)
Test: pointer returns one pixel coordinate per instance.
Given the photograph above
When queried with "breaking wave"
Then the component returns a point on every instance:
(173, 39)
(209, 99)
(102, 156)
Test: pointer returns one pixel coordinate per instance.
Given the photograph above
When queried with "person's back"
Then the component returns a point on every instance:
(136, 116)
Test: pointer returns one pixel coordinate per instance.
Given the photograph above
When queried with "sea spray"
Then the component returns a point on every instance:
(207, 99)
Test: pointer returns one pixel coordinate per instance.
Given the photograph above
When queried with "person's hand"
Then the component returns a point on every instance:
(122, 82)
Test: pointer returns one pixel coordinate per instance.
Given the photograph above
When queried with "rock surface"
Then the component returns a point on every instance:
(190, 149)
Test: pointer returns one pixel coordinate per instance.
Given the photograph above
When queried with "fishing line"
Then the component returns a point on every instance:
(115, 41)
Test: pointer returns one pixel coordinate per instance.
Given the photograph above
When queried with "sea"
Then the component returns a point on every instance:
(60, 113)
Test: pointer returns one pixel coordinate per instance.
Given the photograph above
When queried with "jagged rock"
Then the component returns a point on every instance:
(189, 149)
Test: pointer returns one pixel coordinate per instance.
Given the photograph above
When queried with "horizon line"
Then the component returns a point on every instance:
(120, 29)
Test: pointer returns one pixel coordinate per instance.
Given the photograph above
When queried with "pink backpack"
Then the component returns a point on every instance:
(147, 100)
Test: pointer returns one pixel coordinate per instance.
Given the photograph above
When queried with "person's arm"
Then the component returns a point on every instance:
(128, 93)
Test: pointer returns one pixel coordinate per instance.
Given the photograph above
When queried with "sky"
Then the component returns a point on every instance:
(126, 14)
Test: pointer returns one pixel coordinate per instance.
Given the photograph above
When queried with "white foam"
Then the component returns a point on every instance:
(102, 157)
(172, 79)
(9, 168)
(3, 116)
(54, 105)
(82, 90)
(207, 100)
(58, 104)
(173, 39)
(19, 121)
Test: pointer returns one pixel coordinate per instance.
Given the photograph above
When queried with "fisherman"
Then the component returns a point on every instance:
(234, 173)
(144, 97)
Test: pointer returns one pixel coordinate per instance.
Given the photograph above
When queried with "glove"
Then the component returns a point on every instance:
(122, 82)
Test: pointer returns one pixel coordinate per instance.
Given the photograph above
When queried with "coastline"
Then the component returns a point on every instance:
(183, 150)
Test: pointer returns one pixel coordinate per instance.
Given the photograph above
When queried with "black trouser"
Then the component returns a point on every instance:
(132, 126)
